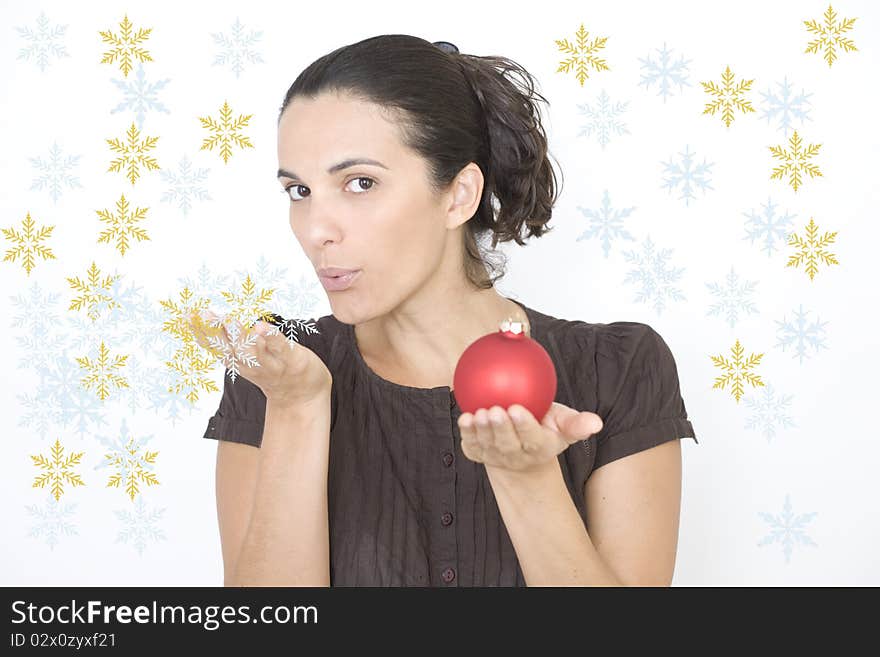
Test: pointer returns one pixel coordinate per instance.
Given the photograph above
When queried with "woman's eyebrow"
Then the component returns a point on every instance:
(345, 164)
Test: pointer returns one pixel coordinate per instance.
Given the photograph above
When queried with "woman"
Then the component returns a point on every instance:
(367, 472)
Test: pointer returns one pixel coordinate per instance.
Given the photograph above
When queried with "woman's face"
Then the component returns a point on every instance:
(379, 218)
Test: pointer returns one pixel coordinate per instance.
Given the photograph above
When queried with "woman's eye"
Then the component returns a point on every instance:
(289, 190)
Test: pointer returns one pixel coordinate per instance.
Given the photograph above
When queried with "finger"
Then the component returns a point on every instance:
(469, 446)
(483, 430)
(505, 437)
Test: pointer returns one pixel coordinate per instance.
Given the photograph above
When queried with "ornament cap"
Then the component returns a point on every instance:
(513, 326)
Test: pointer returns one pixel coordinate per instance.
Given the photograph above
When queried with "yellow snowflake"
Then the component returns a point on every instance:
(582, 56)
(830, 36)
(795, 161)
(133, 154)
(248, 307)
(811, 250)
(126, 46)
(193, 370)
(131, 468)
(727, 97)
(58, 470)
(122, 225)
(102, 373)
(182, 314)
(92, 292)
(226, 132)
(737, 371)
(28, 243)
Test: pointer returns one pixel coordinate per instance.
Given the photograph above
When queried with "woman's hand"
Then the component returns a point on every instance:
(525, 446)
(286, 371)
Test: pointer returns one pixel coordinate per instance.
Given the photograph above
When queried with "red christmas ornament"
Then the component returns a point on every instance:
(505, 368)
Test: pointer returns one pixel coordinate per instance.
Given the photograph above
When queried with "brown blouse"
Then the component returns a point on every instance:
(406, 507)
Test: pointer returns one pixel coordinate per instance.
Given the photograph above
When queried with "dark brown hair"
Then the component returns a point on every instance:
(452, 108)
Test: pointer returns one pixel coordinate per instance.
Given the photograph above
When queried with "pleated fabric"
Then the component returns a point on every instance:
(406, 507)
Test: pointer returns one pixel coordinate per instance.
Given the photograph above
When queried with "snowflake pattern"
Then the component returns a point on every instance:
(603, 119)
(238, 48)
(59, 469)
(654, 276)
(769, 226)
(129, 461)
(582, 55)
(51, 521)
(232, 351)
(55, 172)
(139, 525)
(785, 106)
(811, 250)
(184, 186)
(727, 97)
(140, 96)
(249, 307)
(126, 46)
(92, 292)
(102, 372)
(122, 225)
(225, 132)
(732, 298)
(737, 371)
(787, 529)
(684, 174)
(768, 412)
(665, 72)
(43, 42)
(800, 334)
(795, 161)
(606, 223)
(28, 243)
(133, 155)
(830, 36)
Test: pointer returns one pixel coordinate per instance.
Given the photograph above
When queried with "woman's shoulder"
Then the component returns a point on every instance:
(575, 336)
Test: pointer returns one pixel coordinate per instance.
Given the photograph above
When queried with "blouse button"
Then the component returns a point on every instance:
(448, 575)
(446, 518)
(447, 459)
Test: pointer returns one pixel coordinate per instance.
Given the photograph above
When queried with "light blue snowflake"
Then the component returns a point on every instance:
(299, 298)
(603, 119)
(139, 525)
(733, 297)
(161, 397)
(237, 48)
(73, 407)
(606, 223)
(34, 415)
(40, 334)
(801, 335)
(52, 520)
(654, 276)
(43, 43)
(683, 173)
(784, 106)
(770, 227)
(55, 172)
(665, 72)
(185, 185)
(769, 411)
(208, 285)
(787, 529)
(140, 96)
(130, 453)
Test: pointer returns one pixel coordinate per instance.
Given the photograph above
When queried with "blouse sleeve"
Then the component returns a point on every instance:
(241, 413)
(639, 397)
